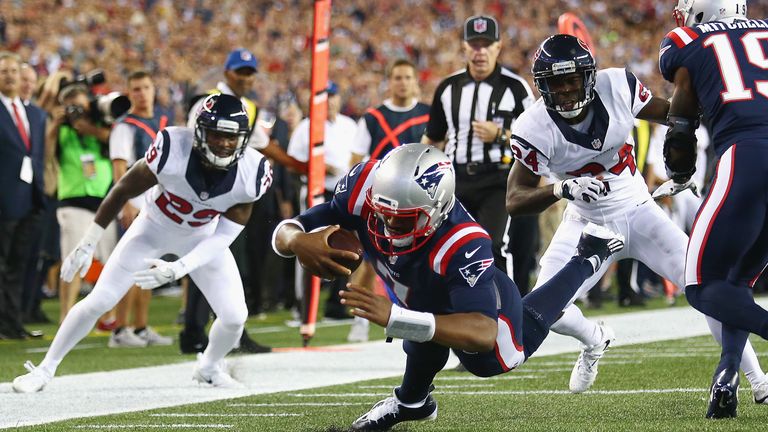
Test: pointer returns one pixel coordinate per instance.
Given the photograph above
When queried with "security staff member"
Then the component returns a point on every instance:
(399, 120)
(471, 118)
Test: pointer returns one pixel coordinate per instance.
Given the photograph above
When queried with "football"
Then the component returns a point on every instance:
(347, 240)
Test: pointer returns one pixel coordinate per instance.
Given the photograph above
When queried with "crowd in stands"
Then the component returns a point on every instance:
(182, 46)
(182, 42)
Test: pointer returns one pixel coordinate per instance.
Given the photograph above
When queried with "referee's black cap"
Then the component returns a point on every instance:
(481, 26)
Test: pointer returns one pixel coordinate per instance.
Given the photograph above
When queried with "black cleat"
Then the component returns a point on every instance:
(191, 343)
(597, 243)
(391, 411)
(724, 395)
(250, 346)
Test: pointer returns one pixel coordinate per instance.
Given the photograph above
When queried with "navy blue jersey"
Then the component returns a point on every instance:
(453, 272)
(729, 71)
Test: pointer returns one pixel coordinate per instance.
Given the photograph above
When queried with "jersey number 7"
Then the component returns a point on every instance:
(730, 70)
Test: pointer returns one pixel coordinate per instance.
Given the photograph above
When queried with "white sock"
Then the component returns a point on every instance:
(574, 324)
(749, 363)
(77, 324)
(221, 340)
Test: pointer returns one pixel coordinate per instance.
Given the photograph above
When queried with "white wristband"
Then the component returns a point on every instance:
(410, 325)
(93, 234)
(557, 189)
(293, 222)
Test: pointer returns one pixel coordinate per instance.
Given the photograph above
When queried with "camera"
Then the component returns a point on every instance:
(102, 109)
(90, 79)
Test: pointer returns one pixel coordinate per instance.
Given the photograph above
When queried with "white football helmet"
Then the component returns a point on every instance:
(692, 12)
(411, 195)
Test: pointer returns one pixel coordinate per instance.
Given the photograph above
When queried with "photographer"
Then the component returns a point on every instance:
(85, 175)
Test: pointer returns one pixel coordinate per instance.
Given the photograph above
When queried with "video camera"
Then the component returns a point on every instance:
(104, 109)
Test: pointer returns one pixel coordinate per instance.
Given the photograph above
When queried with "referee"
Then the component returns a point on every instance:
(471, 117)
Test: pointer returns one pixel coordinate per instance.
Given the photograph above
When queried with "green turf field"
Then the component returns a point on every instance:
(659, 386)
(650, 387)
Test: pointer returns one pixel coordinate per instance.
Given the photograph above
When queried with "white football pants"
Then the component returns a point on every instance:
(651, 238)
(218, 280)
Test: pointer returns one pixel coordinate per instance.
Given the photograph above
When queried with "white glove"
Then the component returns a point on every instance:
(670, 188)
(586, 189)
(82, 257)
(161, 273)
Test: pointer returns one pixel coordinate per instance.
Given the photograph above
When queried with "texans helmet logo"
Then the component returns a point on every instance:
(208, 103)
(430, 179)
(473, 271)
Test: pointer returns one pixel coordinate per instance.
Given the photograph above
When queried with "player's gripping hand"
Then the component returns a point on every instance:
(82, 257)
(161, 273)
(585, 189)
(317, 257)
(367, 304)
(669, 188)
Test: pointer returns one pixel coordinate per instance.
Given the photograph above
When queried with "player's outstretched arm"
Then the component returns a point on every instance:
(137, 180)
(524, 196)
(655, 111)
(473, 331)
(311, 249)
(229, 226)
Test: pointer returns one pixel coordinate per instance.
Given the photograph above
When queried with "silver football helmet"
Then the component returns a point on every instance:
(692, 12)
(411, 195)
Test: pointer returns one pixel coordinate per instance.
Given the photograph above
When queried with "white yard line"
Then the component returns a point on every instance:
(129, 390)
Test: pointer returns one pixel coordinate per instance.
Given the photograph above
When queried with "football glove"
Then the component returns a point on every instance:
(161, 273)
(680, 147)
(586, 189)
(82, 257)
(670, 187)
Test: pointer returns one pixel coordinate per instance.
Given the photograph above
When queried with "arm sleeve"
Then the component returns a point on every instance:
(337, 210)
(640, 95)
(158, 153)
(437, 126)
(470, 281)
(529, 156)
(226, 232)
(121, 143)
(259, 139)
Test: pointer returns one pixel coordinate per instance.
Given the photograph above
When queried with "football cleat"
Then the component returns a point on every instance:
(216, 375)
(760, 391)
(32, 382)
(597, 243)
(126, 338)
(584, 371)
(724, 395)
(391, 411)
(154, 338)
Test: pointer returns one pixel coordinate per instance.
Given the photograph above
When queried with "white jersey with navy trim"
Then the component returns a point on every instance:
(602, 145)
(189, 197)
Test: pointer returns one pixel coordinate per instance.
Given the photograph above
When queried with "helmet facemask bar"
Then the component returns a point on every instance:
(224, 128)
(391, 243)
(560, 70)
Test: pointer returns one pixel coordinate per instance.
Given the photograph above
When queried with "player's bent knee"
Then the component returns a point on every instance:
(235, 318)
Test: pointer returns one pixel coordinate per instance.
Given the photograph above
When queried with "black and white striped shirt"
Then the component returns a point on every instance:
(459, 100)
